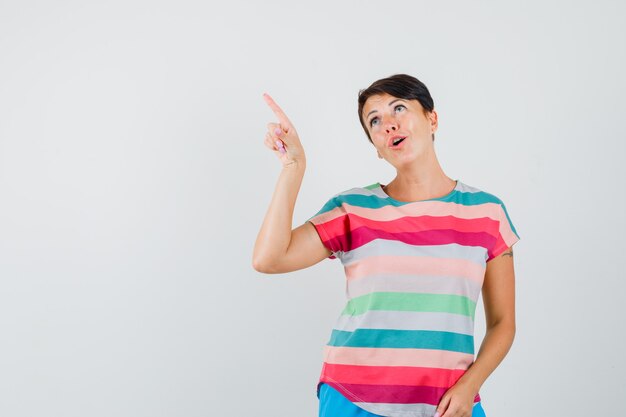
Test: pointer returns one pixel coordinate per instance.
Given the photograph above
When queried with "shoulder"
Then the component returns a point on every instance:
(478, 195)
(360, 196)
(356, 192)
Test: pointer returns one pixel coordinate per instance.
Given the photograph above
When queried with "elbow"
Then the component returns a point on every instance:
(261, 265)
(258, 261)
(258, 265)
(504, 325)
(501, 321)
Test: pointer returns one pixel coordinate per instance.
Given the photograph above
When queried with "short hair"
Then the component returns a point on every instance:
(401, 86)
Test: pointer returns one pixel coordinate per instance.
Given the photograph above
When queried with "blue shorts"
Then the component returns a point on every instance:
(334, 404)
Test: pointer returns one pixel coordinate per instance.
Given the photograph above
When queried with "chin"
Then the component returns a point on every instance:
(400, 163)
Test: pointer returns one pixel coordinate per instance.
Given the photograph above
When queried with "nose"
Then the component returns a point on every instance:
(390, 124)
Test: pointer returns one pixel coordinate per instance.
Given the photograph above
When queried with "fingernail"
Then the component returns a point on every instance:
(280, 144)
(277, 131)
(436, 414)
(282, 150)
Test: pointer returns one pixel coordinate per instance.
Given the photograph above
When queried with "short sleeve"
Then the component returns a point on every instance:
(333, 226)
(506, 234)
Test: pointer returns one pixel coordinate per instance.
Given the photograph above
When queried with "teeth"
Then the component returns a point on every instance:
(395, 142)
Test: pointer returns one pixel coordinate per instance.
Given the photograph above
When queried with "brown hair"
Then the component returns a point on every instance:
(400, 86)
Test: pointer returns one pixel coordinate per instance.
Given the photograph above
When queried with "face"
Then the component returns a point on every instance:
(388, 119)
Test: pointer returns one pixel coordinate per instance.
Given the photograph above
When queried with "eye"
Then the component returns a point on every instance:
(395, 108)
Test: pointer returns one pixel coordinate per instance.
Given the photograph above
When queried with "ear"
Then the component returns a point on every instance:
(434, 121)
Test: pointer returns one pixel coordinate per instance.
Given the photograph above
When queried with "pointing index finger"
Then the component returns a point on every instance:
(282, 117)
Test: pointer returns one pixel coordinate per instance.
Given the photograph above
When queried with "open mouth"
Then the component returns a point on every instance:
(397, 141)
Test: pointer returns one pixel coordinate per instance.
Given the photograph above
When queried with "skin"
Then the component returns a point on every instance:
(278, 249)
(419, 175)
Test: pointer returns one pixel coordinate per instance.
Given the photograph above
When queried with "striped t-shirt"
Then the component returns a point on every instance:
(414, 271)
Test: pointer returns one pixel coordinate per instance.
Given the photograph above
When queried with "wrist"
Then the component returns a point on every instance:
(295, 165)
(471, 383)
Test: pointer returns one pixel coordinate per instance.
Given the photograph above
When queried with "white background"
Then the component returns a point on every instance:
(134, 180)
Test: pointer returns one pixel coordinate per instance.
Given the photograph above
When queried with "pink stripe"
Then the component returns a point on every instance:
(427, 358)
(375, 265)
(438, 208)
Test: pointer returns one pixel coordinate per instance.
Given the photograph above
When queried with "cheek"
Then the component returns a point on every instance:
(378, 139)
(415, 125)
(407, 120)
(374, 133)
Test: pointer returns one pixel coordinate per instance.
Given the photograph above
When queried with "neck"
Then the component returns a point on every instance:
(422, 179)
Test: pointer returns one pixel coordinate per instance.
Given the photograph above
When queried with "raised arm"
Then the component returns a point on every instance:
(278, 248)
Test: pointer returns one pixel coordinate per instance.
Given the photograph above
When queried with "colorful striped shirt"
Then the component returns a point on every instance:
(414, 272)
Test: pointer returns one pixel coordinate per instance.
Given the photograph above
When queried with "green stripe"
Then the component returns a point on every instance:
(396, 301)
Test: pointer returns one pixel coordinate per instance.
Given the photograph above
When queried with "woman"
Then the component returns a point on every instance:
(417, 253)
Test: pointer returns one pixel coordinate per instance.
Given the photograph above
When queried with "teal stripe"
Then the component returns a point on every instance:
(403, 301)
(376, 202)
(330, 204)
(416, 339)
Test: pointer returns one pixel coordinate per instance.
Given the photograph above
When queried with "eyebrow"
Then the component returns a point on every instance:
(390, 103)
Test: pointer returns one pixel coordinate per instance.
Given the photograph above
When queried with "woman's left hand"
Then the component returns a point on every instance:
(458, 401)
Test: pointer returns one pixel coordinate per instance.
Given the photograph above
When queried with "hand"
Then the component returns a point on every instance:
(458, 401)
(282, 137)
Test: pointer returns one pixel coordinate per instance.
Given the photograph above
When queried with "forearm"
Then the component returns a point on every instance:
(275, 234)
(496, 344)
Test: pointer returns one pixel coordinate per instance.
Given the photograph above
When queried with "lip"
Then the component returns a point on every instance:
(391, 139)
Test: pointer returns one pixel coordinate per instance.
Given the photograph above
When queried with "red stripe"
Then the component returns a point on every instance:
(426, 222)
(390, 375)
(335, 235)
(420, 230)
(497, 249)
(396, 394)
